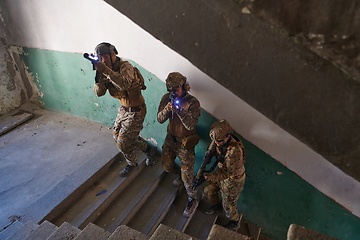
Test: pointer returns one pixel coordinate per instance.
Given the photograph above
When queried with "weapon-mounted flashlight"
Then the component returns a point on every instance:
(177, 104)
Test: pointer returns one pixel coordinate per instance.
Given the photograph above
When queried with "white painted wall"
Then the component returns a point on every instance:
(79, 25)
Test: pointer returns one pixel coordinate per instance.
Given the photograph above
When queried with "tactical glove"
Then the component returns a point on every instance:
(100, 66)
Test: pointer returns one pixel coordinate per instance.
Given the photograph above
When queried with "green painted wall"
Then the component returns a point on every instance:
(273, 198)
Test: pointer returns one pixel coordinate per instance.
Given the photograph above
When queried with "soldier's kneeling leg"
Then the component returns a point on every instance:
(211, 192)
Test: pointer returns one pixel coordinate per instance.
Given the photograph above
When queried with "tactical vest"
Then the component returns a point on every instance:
(238, 142)
(240, 168)
(175, 127)
(132, 97)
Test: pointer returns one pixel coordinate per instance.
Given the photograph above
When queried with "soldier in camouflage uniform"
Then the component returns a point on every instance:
(183, 111)
(125, 83)
(229, 177)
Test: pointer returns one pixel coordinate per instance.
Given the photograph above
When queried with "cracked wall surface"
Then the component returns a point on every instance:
(16, 84)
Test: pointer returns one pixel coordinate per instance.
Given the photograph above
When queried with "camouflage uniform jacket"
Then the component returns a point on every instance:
(185, 121)
(122, 76)
(233, 164)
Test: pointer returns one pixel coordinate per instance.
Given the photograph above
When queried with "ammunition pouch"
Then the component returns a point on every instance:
(134, 93)
(190, 142)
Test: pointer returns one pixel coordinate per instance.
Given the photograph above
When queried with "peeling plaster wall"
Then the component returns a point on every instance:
(16, 84)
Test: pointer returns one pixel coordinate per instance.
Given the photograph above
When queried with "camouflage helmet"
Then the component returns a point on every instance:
(105, 48)
(220, 130)
(176, 80)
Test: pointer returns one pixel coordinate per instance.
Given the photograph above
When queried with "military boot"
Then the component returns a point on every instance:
(150, 154)
(190, 207)
(216, 208)
(233, 225)
(127, 170)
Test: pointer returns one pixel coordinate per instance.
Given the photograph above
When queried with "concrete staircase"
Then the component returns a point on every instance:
(144, 205)
(49, 231)
(94, 202)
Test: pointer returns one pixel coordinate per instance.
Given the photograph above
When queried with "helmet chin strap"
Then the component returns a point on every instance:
(113, 63)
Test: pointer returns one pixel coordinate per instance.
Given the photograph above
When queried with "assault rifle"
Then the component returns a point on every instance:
(94, 59)
(174, 102)
(199, 178)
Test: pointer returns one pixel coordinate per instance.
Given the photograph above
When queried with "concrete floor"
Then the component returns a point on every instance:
(41, 154)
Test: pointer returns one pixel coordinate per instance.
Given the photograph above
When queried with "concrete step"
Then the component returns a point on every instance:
(155, 208)
(174, 217)
(42, 232)
(219, 233)
(14, 225)
(164, 232)
(296, 232)
(87, 203)
(265, 237)
(246, 229)
(249, 229)
(70, 189)
(65, 231)
(24, 231)
(92, 231)
(13, 119)
(123, 232)
(199, 225)
(126, 205)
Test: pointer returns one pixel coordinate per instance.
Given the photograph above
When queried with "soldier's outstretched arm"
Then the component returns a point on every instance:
(99, 86)
(163, 113)
(122, 80)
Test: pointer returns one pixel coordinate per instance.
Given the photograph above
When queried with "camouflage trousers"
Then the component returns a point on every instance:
(230, 191)
(173, 148)
(127, 127)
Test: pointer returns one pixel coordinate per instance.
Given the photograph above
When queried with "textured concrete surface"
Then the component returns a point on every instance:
(25, 230)
(123, 232)
(329, 28)
(16, 88)
(41, 153)
(43, 231)
(297, 232)
(164, 232)
(218, 233)
(65, 231)
(92, 231)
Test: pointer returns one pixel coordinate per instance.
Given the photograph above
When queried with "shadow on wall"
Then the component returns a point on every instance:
(329, 28)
